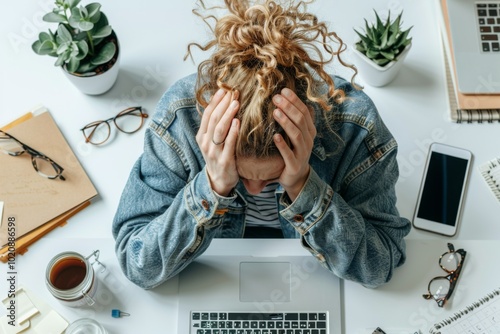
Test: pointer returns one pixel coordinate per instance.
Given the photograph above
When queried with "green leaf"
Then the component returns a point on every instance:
(85, 25)
(388, 55)
(381, 62)
(105, 54)
(73, 3)
(54, 17)
(103, 32)
(85, 67)
(380, 25)
(43, 36)
(93, 9)
(64, 34)
(60, 60)
(83, 49)
(73, 65)
(63, 48)
(43, 48)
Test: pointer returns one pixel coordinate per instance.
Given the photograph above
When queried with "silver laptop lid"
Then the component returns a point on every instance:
(475, 31)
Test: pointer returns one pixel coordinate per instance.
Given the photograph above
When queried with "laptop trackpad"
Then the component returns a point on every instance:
(265, 281)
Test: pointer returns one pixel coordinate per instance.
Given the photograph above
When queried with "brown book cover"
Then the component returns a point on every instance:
(465, 107)
(30, 199)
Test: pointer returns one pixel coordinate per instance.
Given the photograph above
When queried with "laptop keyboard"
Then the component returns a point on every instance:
(259, 323)
(488, 14)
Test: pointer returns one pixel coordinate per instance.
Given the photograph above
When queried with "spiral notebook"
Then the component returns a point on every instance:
(482, 316)
(491, 174)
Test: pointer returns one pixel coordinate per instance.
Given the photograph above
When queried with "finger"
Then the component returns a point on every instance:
(300, 141)
(222, 127)
(217, 114)
(285, 151)
(214, 101)
(230, 144)
(295, 109)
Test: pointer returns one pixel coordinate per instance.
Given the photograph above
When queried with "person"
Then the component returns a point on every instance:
(262, 141)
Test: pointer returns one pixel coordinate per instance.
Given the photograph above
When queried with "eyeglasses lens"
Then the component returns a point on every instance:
(10, 146)
(45, 167)
(449, 261)
(439, 287)
(97, 134)
(130, 121)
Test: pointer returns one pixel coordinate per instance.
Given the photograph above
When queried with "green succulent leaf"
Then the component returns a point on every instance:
(73, 3)
(83, 50)
(43, 48)
(63, 33)
(93, 10)
(73, 65)
(103, 32)
(54, 17)
(383, 41)
(105, 54)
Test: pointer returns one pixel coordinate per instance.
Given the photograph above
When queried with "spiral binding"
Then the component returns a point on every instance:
(477, 115)
(468, 309)
(491, 174)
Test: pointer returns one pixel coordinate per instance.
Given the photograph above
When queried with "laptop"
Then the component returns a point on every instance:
(475, 32)
(246, 294)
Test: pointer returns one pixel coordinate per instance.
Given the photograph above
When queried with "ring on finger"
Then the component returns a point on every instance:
(218, 143)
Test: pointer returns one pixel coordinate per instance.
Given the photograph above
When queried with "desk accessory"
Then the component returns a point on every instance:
(381, 50)
(482, 316)
(32, 201)
(34, 316)
(491, 174)
(464, 107)
(85, 45)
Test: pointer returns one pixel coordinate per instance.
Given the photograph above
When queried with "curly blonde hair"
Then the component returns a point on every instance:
(259, 49)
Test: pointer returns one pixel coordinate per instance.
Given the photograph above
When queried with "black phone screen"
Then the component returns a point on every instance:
(443, 189)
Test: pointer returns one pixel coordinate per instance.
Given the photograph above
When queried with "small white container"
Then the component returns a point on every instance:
(85, 326)
(375, 75)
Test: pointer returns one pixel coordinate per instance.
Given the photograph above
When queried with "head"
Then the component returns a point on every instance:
(261, 47)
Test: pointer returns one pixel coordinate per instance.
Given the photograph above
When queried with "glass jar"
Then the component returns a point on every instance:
(85, 326)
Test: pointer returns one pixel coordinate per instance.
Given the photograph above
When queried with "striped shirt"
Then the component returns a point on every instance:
(262, 209)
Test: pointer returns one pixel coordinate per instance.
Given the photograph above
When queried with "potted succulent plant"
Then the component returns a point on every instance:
(381, 50)
(85, 45)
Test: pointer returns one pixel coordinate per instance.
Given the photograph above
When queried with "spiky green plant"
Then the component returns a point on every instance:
(383, 41)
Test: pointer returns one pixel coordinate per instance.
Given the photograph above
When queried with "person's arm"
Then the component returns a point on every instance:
(166, 217)
(357, 235)
(169, 212)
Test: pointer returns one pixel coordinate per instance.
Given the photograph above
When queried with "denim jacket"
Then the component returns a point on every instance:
(345, 215)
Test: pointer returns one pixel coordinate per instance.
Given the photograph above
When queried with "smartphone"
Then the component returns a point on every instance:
(442, 189)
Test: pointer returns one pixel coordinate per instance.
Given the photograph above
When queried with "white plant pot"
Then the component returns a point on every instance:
(98, 83)
(375, 75)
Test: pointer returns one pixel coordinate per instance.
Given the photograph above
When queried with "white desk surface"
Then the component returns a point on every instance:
(153, 38)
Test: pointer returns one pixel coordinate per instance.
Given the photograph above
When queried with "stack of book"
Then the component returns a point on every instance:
(32, 205)
(464, 107)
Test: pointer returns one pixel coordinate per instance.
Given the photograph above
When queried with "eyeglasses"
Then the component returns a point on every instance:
(440, 288)
(129, 120)
(42, 164)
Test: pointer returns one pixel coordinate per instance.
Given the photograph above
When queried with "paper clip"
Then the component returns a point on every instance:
(118, 314)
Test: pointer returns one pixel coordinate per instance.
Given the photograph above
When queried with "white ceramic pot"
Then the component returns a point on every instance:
(98, 83)
(375, 75)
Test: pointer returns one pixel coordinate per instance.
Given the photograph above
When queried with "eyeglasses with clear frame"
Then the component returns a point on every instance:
(440, 288)
(42, 164)
(128, 121)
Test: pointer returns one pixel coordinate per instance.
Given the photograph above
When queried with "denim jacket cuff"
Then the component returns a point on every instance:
(202, 201)
(309, 206)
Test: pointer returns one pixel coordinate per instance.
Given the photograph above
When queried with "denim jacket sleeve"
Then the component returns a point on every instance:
(167, 212)
(349, 221)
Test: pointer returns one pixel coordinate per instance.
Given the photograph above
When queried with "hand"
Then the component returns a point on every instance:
(217, 140)
(296, 119)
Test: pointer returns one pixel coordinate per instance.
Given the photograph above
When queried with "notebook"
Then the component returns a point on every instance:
(463, 107)
(491, 174)
(474, 40)
(482, 316)
(253, 292)
(32, 202)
